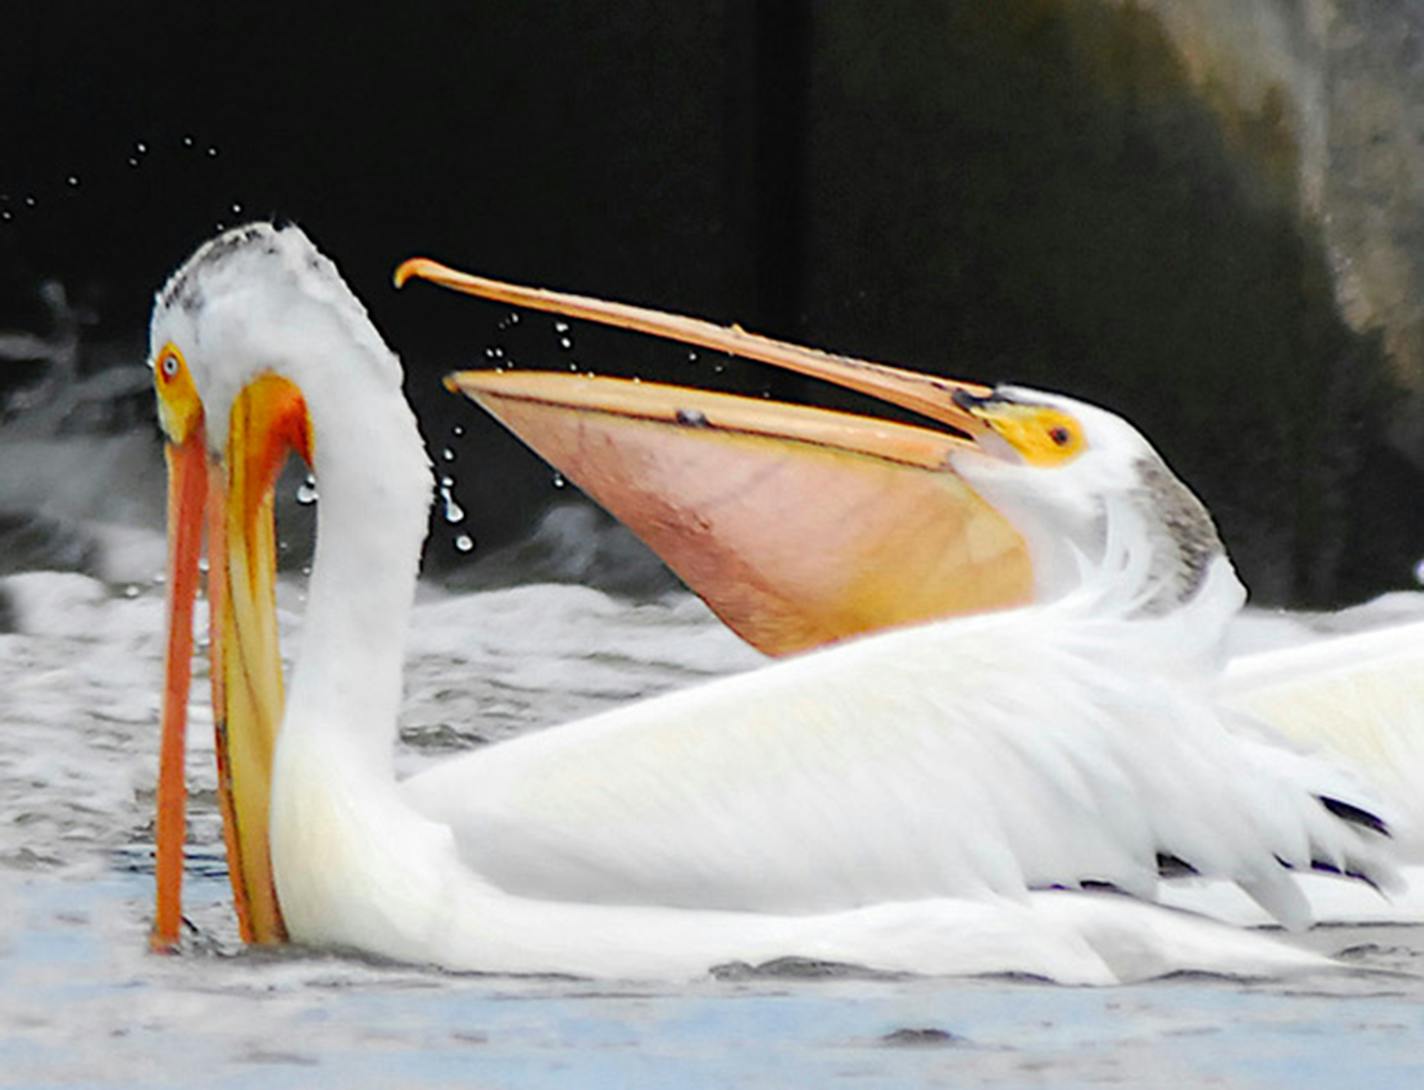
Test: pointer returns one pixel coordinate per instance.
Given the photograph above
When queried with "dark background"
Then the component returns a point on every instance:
(1029, 190)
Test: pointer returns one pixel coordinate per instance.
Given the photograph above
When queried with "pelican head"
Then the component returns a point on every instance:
(801, 526)
(1084, 486)
(260, 351)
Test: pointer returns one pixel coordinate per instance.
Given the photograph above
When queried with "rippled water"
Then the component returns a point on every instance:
(81, 1003)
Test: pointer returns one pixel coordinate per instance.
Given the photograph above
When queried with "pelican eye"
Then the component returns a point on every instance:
(1041, 435)
(179, 408)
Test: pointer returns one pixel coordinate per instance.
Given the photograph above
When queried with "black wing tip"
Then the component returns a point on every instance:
(1354, 815)
(1174, 866)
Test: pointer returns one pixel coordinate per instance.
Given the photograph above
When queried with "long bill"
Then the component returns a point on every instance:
(267, 421)
(235, 495)
(929, 395)
(798, 526)
(187, 493)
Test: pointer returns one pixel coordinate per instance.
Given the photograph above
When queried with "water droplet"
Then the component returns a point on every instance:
(464, 543)
(141, 148)
(219, 225)
(457, 429)
(203, 565)
(1419, 572)
(7, 215)
(692, 357)
(72, 180)
(447, 482)
(561, 327)
(565, 343)
(514, 317)
(29, 202)
(306, 491)
(454, 513)
(212, 152)
(131, 591)
(447, 454)
(133, 160)
(159, 578)
(187, 141)
(573, 365)
(306, 569)
(236, 209)
(719, 368)
(559, 481)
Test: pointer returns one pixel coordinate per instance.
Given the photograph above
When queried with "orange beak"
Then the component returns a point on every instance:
(928, 395)
(267, 420)
(187, 491)
(798, 526)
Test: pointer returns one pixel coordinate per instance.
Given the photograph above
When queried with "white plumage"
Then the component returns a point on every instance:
(904, 802)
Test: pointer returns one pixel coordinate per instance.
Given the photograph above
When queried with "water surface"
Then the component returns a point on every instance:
(82, 1004)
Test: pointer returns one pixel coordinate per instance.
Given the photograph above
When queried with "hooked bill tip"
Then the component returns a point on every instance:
(411, 266)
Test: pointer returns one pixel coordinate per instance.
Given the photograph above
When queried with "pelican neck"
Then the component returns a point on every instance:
(374, 487)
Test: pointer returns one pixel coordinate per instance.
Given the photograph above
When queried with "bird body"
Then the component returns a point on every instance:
(907, 802)
(945, 518)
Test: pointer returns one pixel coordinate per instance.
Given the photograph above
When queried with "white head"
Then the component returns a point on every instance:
(1082, 485)
(260, 350)
(261, 299)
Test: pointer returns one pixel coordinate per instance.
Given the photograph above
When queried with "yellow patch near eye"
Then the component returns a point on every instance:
(1042, 436)
(180, 410)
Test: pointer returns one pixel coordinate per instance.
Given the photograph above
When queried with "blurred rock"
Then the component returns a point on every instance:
(1348, 79)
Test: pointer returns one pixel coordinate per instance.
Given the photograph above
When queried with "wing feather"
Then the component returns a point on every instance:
(1037, 748)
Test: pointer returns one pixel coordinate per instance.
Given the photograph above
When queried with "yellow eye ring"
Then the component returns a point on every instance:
(180, 410)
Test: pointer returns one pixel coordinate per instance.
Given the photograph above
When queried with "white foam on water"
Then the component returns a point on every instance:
(83, 1003)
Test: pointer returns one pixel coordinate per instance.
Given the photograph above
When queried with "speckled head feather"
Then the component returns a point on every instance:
(261, 298)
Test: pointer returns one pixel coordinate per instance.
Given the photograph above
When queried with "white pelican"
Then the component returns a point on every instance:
(902, 802)
(801, 526)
